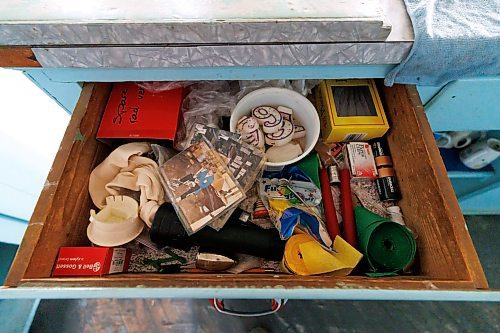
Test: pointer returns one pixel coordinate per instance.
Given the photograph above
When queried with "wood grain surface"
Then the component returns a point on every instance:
(56, 219)
(17, 57)
(429, 203)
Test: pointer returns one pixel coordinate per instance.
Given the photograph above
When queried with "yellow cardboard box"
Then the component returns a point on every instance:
(350, 110)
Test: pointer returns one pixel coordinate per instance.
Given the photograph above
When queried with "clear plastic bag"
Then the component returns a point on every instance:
(206, 103)
(159, 86)
(303, 87)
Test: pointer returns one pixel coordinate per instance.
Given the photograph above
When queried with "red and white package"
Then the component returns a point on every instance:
(361, 160)
(85, 261)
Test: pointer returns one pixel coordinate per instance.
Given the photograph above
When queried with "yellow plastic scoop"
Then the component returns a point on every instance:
(305, 256)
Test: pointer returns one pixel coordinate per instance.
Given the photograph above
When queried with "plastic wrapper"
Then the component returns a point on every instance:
(294, 202)
(159, 86)
(206, 103)
(200, 186)
(243, 160)
(303, 87)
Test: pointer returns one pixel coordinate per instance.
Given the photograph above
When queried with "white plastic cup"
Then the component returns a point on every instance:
(481, 153)
(303, 111)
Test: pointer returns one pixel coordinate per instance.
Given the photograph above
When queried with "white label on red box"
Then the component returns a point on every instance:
(361, 160)
(117, 260)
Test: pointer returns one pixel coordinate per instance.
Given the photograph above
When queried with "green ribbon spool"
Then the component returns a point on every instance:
(388, 246)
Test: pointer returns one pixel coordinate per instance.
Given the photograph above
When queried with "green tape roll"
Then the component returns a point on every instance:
(388, 246)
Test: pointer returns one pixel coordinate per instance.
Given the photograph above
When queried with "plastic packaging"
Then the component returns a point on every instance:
(206, 103)
(303, 87)
(159, 86)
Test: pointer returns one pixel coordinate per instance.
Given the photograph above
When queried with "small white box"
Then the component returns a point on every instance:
(361, 160)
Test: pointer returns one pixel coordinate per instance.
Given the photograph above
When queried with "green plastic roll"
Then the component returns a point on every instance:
(388, 246)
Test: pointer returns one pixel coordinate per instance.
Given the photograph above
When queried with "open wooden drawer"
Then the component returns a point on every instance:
(446, 256)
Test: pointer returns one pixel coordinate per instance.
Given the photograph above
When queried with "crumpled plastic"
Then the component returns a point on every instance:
(294, 201)
(206, 103)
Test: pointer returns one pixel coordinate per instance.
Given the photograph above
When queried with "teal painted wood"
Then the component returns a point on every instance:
(246, 293)
(7, 253)
(12, 229)
(17, 315)
(65, 94)
(482, 199)
(486, 202)
(470, 174)
(71, 75)
(427, 93)
(465, 105)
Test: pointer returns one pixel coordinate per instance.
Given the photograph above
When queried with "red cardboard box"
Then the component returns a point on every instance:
(133, 112)
(83, 261)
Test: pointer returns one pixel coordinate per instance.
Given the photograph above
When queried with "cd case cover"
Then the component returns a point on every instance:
(245, 162)
(200, 186)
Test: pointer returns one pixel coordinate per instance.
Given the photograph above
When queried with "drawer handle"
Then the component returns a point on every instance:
(276, 305)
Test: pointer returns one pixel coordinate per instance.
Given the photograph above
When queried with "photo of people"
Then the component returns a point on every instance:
(200, 185)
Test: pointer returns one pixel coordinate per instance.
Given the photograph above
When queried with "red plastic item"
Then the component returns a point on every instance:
(349, 227)
(332, 224)
(133, 112)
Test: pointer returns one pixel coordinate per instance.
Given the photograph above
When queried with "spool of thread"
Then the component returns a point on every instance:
(463, 142)
(333, 174)
(443, 140)
(381, 154)
(481, 153)
(387, 185)
(396, 215)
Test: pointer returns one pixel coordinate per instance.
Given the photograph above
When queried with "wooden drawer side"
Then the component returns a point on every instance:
(444, 244)
(64, 199)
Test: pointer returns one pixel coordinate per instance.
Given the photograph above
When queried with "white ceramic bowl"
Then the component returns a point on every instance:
(303, 111)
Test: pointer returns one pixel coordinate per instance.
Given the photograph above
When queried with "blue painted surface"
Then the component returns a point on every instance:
(72, 75)
(466, 105)
(7, 253)
(427, 93)
(65, 94)
(247, 293)
(481, 197)
(15, 315)
(12, 229)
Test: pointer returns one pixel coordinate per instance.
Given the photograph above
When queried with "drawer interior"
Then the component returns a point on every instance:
(446, 257)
